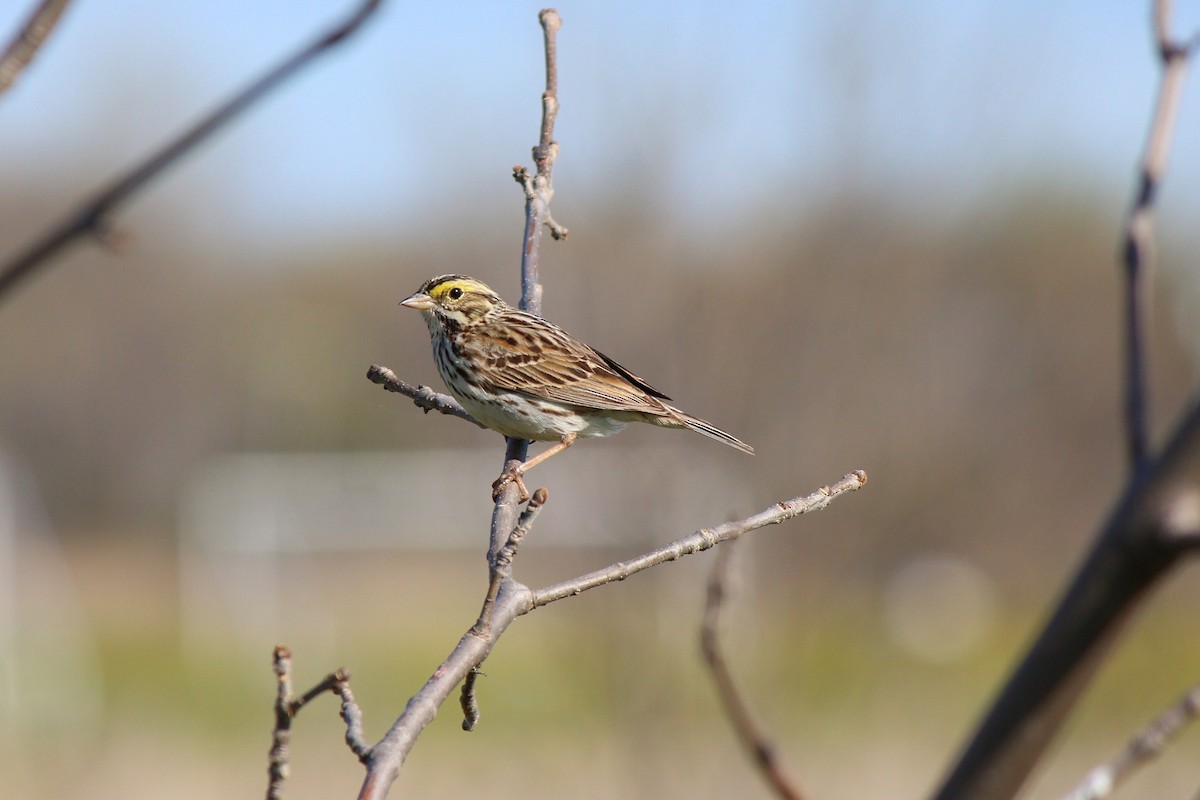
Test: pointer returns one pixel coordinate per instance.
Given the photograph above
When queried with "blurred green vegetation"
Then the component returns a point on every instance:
(967, 359)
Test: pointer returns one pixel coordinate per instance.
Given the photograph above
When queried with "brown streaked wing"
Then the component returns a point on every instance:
(527, 354)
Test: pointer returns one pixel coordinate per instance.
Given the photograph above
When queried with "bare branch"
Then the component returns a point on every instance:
(701, 540)
(94, 216)
(388, 755)
(515, 599)
(748, 732)
(1156, 520)
(422, 396)
(352, 715)
(1139, 543)
(24, 46)
(1137, 248)
(468, 701)
(501, 563)
(537, 212)
(287, 706)
(1147, 744)
(539, 190)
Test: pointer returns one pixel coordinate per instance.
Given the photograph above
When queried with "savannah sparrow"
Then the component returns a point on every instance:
(527, 378)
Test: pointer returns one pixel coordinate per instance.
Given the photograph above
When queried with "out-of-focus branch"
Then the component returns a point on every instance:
(1137, 247)
(28, 40)
(701, 540)
(288, 705)
(1155, 522)
(94, 216)
(422, 396)
(1148, 743)
(752, 737)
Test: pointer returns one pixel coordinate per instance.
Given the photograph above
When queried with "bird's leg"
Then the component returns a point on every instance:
(514, 475)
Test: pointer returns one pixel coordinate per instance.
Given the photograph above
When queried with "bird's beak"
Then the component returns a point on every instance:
(419, 300)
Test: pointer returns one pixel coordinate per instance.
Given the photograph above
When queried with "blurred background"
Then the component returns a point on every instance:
(858, 235)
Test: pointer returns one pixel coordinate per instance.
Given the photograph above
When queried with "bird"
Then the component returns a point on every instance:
(526, 378)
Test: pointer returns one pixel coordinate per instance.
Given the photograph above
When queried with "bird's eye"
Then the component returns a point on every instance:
(455, 293)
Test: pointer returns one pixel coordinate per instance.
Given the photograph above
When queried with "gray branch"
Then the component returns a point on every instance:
(1146, 745)
(701, 540)
(514, 599)
(422, 396)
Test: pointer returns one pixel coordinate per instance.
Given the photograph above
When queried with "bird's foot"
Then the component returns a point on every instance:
(507, 477)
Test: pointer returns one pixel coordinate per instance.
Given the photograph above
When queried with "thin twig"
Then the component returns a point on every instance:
(94, 216)
(468, 700)
(1146, 745)
(1137, 249)
(700, 541)
(287, 706)
(752, 737)
(539, 190)
(352, 715)
(537, 211)
(422, 396)
(28, 40)
(501, 567)
(515, 599)
(502, 562)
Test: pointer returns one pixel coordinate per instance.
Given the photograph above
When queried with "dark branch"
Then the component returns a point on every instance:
(1155, 522)
(1134, 550)
(1137, 245)
(94, 216)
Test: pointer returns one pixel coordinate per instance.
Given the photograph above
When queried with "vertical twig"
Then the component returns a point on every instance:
(1137, 249)
(539, 190)
(506, 598)
(752, 737)
(288, 705)
(25, 44)
(93, 217)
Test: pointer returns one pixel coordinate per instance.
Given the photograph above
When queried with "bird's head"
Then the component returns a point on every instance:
(453, 301)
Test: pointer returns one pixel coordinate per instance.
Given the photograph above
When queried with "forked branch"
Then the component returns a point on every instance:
(288, 705)
(514, 599)
(1137, 246)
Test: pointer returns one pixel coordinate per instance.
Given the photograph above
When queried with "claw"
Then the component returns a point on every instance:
(507, 477)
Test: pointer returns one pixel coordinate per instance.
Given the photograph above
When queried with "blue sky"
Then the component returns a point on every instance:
(709, 108)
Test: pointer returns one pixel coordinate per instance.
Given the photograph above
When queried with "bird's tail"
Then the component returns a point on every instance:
(712, 431)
